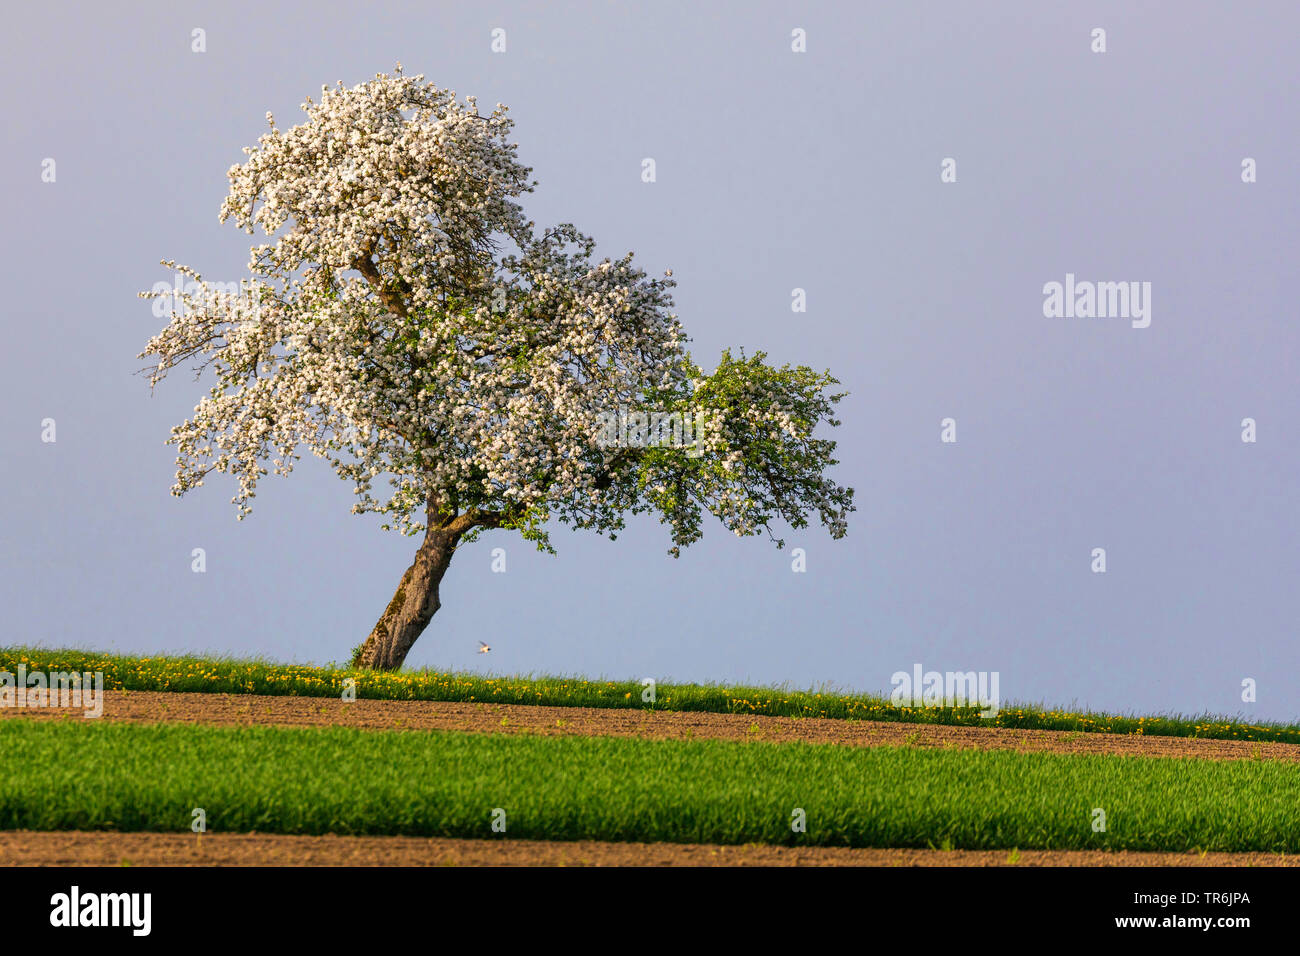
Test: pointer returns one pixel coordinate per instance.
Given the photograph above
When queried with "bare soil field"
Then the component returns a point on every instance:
(25, 848)
(248, 709)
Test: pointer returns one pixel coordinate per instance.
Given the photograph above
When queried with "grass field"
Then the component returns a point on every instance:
(220, 675)
(88, 775)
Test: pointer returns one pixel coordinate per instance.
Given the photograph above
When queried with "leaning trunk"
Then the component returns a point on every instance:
(412, 607)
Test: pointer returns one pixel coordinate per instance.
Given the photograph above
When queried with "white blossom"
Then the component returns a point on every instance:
(407, 323)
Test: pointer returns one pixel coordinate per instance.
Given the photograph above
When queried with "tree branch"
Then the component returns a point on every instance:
(366, 266)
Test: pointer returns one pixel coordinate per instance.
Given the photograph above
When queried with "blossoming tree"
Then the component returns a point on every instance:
(408, 324)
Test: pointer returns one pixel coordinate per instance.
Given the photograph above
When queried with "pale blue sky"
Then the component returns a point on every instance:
(775, 170)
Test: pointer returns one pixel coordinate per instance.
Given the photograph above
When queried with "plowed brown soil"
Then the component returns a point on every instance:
(247, 709)
(24, 848)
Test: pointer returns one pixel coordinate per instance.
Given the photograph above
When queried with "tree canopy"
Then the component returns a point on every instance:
(406, 322)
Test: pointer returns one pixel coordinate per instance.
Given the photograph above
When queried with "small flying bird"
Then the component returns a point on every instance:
(483, 648)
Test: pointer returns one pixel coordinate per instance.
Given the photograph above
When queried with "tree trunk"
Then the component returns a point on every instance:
(412, 607)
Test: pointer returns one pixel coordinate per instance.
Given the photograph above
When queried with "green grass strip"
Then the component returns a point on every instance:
(228, 676)
(88, 774)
